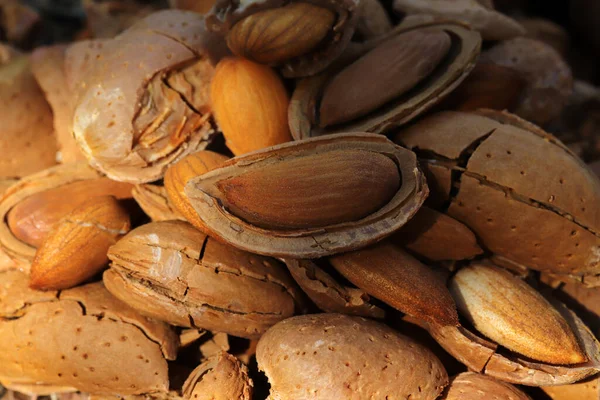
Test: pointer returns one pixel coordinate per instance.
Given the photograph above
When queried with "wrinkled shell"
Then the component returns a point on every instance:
(454, 68)
(492, 24)
(221, 377)
(522, 192)
(329, 294)
(154, 201)
(307, 242)
(550, 81)
(48, 66)
(395, 277)
(172, 272)
(27, 140)
(89, 341)
(472, 386)
(54, 177)
(226, 13)
(142, 124)
(334, 356)
(437, 237)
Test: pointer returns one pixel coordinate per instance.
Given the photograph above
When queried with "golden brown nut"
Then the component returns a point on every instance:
(334, 356)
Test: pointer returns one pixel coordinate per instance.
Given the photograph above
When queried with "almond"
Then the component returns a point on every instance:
(512, 313)
(250, 104)
(279, 34)
(76, 248)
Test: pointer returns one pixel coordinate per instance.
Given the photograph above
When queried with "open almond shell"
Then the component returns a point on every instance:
(456, 66)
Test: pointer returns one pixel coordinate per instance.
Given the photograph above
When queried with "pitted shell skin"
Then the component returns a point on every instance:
(172, 272)
(221, 377)
(135, 91)
(334, 356)
(336, 160)
(520, 190)
(226, 13)
(588, 389)
(303, 113)
(472, 386)
(89, 341)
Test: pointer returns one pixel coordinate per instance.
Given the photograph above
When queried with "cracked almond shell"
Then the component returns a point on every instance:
(144, 101)
(81, 338)
(249, 202)
(40, 214)
(226, 14)
(172, 272)
(335, 356)
(154, 201)
(303, 113)
(524, 194)
(473, 386)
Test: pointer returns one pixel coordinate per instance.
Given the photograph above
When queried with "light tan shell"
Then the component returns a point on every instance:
(81, 338)
(57, 176)
(27, 140)
(221, 377)
(588, 389)
(170, 271)
(334, 356)
(472, 386)
(492, 24)
(329, 294)
(520, 190)
(154, 201)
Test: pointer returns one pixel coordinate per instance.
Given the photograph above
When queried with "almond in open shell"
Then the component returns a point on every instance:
(310, 198)
(369, 91)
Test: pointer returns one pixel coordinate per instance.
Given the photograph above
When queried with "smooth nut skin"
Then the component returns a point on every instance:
(194, 281)
(277, 35)
(472, 386)
(75, 249)
(524, 194)
(84, 339)
(334, 356)
(250, 105)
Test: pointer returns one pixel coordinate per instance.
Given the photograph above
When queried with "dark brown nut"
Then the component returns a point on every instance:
(253, 27)
(334, 356)
(548, 32)
(18, 22)
(172, 272)
(437, 237)
(395, 277)
(48, 67)
(329, 294)
(549, 78)
(359, 188)
(88, 341)
(144, 103)
(198, 6)
(26, 137)
(106, 19)
(382, 100)
(472, 386)
(521, 191)
(31, 207)
(154, 201)
(221, 377)
(75, 249)
(373, 21)
(492, 24)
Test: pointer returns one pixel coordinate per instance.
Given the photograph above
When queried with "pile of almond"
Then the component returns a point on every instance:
(339, 199)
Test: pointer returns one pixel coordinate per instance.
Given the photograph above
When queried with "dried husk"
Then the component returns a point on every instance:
(52, 178)
(522, 192)
(154, 201)
(226, 13)
(335, 356)
(493, 25)
(454, 68)
(89, 341)
(437, 237)
(143, 103)
(172, 272)
(204, 195)
(472, 386)
(221, 377)
(329, 294)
